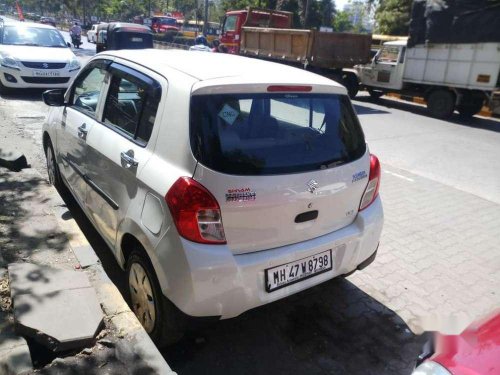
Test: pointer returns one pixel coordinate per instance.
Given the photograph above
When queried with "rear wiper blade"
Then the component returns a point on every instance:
(333, 164)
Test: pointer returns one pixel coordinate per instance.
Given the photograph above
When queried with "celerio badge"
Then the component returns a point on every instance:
(359, 176)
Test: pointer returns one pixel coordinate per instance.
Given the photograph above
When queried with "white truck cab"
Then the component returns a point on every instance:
(449, 77)
(387, 67)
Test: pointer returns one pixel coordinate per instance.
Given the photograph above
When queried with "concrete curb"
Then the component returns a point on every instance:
(485, 112)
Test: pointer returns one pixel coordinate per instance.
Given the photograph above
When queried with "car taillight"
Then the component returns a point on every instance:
(371, 191)
(196, 212)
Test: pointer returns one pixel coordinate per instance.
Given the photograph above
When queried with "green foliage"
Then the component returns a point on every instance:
(327, 10)
(342, 22)
(291, 6)
(393, 17)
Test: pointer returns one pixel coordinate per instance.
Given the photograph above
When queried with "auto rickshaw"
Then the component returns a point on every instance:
(121, 35)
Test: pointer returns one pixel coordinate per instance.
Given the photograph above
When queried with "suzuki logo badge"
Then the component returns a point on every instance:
(45, 65)
(312, 186)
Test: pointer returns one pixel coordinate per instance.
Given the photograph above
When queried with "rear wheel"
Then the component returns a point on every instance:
(470, 107)
(159, 317)
(441, 103)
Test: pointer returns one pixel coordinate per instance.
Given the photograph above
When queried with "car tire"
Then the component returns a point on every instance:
(351, 82)
(471, 108)
(375, 94)
(4, 89)
(160, 318)
(52, 167)
(441, 103)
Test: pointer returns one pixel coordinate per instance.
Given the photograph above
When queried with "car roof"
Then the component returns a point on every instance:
(208, 65)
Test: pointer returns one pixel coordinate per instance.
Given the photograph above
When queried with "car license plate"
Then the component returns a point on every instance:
(290, 273)
(46, 73)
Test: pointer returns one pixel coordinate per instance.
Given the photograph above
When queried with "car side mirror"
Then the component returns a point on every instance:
(54, 98)
(68, 44)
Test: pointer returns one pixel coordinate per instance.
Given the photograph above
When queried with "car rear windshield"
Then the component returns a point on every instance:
(264, 134)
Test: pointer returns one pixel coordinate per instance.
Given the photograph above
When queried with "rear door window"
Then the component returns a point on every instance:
(262, 134)
(131, 105)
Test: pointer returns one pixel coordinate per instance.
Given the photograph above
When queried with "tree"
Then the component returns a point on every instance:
(393, 17)
(327, 10)
(290, 6)
(342, 22)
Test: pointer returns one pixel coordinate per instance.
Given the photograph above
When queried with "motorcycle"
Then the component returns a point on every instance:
(76, 40)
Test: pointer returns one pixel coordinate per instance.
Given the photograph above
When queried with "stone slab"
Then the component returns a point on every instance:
(61, 320)
(28, 278)
(13, 160)
(15, 355)
(86, 255)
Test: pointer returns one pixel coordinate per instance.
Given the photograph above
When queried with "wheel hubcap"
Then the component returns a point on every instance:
(142, 297)
(50, 166)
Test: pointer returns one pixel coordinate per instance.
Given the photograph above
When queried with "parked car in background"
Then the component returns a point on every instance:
(92, 34)
(34, 55)
(48, 21)
(218, 189)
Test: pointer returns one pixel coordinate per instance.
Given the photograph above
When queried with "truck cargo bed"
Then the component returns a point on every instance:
(319, 49)
(472, 66)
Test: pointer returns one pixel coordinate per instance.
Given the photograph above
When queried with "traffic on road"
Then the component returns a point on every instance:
(282, 199)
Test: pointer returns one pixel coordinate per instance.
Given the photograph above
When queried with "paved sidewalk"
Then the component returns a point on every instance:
(438, 264)
(30, 231)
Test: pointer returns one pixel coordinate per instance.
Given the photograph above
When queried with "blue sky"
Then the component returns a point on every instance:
(340, 4)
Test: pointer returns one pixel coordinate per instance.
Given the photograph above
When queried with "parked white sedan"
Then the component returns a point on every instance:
(218, 189)
(34, 55)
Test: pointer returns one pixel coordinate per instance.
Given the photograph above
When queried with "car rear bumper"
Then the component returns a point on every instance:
(206, 280)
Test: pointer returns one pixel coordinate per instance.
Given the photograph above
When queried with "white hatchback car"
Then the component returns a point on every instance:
(220, 183)
(33, 55)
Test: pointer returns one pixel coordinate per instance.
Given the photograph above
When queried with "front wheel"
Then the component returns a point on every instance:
(159, 317)
(351, 83)
(375, 94)
(52, 167)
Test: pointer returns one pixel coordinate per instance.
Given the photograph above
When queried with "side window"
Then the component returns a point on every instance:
(87, 91)
(388, 54)
(130, 108)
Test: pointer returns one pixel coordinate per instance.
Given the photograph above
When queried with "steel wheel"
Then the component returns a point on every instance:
(142, 297)
(51, 166)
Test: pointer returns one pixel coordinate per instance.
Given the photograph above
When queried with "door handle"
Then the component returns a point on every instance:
(82, 132)
(128, 160)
